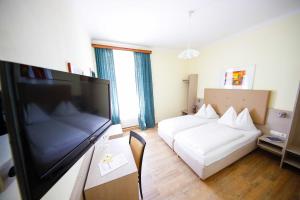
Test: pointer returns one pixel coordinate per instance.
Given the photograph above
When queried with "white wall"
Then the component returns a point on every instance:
(43, 33)
(170, 93)
(273, 47)
(47, 34)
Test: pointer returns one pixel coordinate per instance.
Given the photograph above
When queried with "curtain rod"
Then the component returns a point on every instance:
(121, 48)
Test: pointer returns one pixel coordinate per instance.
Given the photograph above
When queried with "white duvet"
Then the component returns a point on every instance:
(180, 123)
(207, 138)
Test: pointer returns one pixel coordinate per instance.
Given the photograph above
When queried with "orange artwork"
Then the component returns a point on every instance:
(238, 77)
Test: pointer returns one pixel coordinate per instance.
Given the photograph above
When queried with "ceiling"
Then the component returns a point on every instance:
(164, 23)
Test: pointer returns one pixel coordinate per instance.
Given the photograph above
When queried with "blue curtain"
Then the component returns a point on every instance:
(143, 78)
(106, 70)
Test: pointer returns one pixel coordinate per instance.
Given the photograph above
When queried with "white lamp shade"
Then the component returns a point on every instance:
(188, 54)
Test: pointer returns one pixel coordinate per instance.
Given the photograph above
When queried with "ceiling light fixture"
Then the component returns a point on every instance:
(189, 53)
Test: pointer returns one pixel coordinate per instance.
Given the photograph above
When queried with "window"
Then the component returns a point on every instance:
(126, 86)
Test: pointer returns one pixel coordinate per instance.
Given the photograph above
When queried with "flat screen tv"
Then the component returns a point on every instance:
(52, 118)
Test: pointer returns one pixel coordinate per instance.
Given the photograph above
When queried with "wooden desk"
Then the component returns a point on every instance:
(120, 184)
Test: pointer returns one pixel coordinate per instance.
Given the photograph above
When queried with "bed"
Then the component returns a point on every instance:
(209, 148)
(168, 128)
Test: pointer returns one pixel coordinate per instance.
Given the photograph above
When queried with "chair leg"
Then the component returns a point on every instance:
(140, 184)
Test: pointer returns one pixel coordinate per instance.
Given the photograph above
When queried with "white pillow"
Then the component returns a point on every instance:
(211, 113)
(228, 117)
(202, 111)
(35, 114)
(244, 121)
(65, 108)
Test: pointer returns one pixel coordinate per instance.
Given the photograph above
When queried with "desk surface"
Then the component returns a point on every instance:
(114, 147)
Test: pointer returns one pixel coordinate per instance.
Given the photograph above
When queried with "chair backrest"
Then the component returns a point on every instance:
(137, 144)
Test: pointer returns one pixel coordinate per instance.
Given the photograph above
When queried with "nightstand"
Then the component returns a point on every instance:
(271, 146)
(185, 112)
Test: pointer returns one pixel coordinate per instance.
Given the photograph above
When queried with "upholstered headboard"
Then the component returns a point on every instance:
(255, 100)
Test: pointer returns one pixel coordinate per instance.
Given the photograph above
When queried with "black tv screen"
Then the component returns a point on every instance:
(52, 118)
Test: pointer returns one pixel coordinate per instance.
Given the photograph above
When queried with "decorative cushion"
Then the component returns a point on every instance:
(211, 113)
(201, 112)
(228, 117)
(244, 121)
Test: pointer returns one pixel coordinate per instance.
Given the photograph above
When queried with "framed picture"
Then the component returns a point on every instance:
(76, 70)
(238, 77)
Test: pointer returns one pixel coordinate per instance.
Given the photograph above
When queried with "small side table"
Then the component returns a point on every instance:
(185, 112)
(271, 146)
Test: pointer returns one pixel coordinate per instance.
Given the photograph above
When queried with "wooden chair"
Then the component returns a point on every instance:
(138, 144)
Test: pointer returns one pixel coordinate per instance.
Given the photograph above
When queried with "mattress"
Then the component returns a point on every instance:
(168, 128)
(198, 143)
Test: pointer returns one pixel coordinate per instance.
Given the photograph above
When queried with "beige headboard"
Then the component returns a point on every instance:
(255, 100)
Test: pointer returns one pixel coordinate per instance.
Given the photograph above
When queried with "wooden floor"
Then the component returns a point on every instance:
(256, 176)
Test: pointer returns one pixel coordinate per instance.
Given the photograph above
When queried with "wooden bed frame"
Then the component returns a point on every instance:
(256, 101)
(221, 99)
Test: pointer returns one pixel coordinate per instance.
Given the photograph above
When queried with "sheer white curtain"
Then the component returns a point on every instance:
(126, 86)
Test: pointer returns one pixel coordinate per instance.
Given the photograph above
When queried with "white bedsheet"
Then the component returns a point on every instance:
(168, 128)
(195, 141)
(180, 123)
(207, 138)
